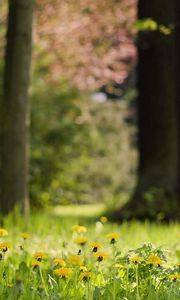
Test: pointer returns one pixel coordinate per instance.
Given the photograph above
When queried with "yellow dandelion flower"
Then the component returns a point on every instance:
(154, 260)
(64, 272)
(82, 268)
(25, 235)
(113, 237)
(3, 232)
(101, 255)
(95, 246)
(75, 260)
(174, 276)
(135, 259)
(85, 276)
(35, 264)
(39, 256)
(4, 246)
(81, 241)
(79, 228)
(59, 262)
(178, 264)
(103, 219)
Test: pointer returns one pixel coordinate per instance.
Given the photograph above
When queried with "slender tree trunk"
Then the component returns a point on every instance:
(177, 48)
(155, 194)
(14, 107)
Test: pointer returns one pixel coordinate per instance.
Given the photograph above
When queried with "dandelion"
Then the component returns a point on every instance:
(75, 260)
(95, 246)
(64, 272)
(103, 219)
(113, 237)
(174, 277)
(25, 235)
(4, 247)
(101, 255)
(3, 232)
(79, 228)
(82, 268)
(35, 264)
(85, 276)
(39, 256)
(154, 260)
(59, 262)
(135, 259)
(81, 241)
(178, 264)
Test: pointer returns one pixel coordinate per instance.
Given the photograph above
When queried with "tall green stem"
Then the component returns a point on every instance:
(44, 284)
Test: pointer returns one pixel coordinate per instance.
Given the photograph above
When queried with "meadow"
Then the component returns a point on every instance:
(89, 92)
(75, 252)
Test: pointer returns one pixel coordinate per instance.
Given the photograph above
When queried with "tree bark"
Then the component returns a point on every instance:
(155, 194)
(177, 48)
(14, 107)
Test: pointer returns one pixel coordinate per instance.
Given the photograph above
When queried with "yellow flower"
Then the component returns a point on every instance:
(59, 262)
(135, 259)
(101, 255)
(81, 241)
(25, 235)
(103, 219)
(4, 246)
(35, 264)
(174, 276)
(95, 246)
(178, 264)
(154, 260)
(75, 260)
(39, 256)
(64, 272)
(79, 228)
(113, 237)
(85, 276)
(83, 268)
(3, 232)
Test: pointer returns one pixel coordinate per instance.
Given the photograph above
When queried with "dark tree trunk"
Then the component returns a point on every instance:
(155, 194)
(177, 48)
(14, 107)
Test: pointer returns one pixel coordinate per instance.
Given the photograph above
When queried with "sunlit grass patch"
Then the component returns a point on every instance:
(68, 254)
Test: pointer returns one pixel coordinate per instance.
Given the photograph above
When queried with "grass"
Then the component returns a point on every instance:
(141, 264)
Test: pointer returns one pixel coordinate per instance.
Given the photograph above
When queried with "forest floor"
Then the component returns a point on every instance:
(56, 257)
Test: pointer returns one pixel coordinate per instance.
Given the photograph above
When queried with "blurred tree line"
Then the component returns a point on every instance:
(157, 191)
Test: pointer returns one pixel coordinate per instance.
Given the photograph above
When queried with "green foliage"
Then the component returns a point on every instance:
(146, 25)
(53, 131)
(80, 150)
(151, 25)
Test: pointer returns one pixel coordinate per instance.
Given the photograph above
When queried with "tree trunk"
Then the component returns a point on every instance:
(14, 107)
(155, 194)
(177, 48)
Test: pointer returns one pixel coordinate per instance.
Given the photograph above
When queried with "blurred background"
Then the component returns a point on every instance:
(83, 113)
(102, 110)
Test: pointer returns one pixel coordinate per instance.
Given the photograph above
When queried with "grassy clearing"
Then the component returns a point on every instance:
(137, 260)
